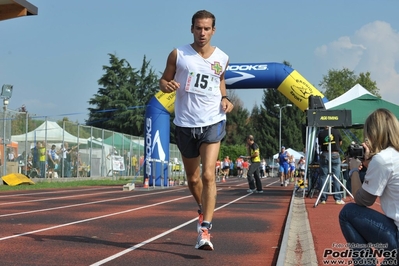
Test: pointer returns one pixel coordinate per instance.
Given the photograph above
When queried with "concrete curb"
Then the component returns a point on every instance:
(297, 247)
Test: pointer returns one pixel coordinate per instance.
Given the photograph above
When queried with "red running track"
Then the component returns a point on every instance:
(108, 226)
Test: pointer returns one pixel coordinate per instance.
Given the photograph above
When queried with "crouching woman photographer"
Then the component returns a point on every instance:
(363, 227)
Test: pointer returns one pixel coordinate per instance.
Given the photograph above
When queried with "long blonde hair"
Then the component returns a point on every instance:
(382, 129)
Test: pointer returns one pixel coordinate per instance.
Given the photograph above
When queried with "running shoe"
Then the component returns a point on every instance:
(340, 202)
(259, 191)
(250, 190)
(200, 220)
(204, 240)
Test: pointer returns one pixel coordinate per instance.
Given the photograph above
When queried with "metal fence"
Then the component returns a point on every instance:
(81, 151)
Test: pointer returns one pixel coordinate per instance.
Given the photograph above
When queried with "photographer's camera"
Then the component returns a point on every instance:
(356, 151)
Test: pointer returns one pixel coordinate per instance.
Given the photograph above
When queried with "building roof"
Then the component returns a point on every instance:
(16, 8)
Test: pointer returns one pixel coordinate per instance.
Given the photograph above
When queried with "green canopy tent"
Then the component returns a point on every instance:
(363, 106)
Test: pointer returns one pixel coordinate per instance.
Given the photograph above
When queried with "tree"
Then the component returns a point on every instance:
(236, 130)
(237, 122)
(20, 119)
(337, 82)
(119, 104)
(268, 127)
(74, 128)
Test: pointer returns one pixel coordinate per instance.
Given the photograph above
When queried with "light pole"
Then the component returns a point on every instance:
(6, 93)
(280, 108)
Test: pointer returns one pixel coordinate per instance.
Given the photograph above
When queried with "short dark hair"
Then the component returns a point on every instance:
(203, 14)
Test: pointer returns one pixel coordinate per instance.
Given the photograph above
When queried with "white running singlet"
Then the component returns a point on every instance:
(198, 98)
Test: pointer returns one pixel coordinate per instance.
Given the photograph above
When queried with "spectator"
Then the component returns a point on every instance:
(245, 167)
(226, 166)
(10, 154)
(218, 168)
(324, 140)
(301, 167)
(282, 160)
(262, 169)
(231, 168)
(361, 226)
(135, 167)
(126, 160)
(291, 172)
(52, 157)
(239, 167)
(35, 156)
(267, 170)
(42, 158)
(21, 158)
(254, 182)
(65, 160)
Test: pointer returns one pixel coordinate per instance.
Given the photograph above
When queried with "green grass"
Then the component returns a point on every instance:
(70, 184)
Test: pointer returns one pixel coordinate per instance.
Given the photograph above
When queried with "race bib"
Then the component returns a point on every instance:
(203, 84)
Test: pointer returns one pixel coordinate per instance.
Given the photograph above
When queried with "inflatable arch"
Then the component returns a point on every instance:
(238, 76)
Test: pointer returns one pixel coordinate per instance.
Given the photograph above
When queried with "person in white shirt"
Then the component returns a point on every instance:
(262, 169)
(365, 227)
(195, 73)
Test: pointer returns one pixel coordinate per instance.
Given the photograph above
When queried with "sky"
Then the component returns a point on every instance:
(55, 59)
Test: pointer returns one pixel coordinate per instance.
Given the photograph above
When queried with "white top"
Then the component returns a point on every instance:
(198, 100)
(382, 179)
(226, 163)
(302, 165)
(64, 153)
(263, 165)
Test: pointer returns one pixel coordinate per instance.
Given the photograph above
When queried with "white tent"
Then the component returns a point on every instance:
(351, 94)
(297, 155)
(52, 132)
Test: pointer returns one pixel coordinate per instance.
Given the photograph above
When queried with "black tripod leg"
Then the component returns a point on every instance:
(315, 179)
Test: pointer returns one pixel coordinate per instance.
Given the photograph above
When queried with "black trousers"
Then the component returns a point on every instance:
(255, 179)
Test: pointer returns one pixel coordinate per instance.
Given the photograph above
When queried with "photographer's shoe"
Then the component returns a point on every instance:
(340, 202)
(323, 202)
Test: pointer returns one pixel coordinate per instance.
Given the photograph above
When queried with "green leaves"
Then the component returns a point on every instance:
(119, 104)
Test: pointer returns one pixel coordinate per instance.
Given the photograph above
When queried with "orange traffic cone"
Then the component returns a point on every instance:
(146, 183)
(224, 179)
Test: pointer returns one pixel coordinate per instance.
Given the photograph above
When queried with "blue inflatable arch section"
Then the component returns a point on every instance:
(238, 76)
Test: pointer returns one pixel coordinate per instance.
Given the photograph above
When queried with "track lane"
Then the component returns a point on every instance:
(93, 240)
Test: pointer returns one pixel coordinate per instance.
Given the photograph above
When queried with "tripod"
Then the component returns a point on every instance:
(330, 176)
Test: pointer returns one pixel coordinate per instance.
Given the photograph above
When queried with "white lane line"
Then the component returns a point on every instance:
(86, 203)
(92, 219)
(101, 262)
(50, 192)
(63, 197)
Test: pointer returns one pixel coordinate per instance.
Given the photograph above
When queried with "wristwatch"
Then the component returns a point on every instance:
(226, 97)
